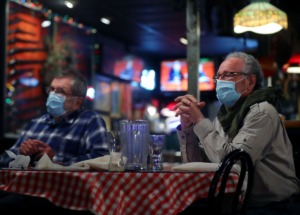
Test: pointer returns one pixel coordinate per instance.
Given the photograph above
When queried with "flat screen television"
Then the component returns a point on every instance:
(174, 75)
(117, 61)
(129, 68)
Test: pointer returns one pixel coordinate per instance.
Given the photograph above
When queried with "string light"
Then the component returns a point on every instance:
(37, 6)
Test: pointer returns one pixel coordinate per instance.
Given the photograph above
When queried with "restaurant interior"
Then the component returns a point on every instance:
(130, 52)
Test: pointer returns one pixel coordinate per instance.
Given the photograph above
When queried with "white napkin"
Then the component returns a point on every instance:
(201, 167)
(100, 163)
(19, 162)
(45, 163)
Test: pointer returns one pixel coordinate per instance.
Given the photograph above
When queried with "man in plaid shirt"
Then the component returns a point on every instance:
(67, 133)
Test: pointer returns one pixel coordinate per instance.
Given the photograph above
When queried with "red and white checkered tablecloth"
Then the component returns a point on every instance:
(113, 192)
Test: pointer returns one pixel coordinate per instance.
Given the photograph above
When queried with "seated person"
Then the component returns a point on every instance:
(67, 133)
(248, 120)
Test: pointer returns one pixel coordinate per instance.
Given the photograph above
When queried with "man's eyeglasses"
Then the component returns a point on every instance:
(58, 91)
(229, 75)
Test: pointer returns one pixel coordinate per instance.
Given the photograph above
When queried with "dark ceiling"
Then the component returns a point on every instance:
(155, 26)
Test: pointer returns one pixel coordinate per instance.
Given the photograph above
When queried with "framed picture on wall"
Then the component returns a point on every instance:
(102, 101)
(115, 99)
(126, 98)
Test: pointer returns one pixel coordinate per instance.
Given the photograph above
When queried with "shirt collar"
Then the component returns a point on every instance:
(70, 118)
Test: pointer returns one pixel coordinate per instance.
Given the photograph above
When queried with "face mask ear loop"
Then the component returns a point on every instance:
(242, 79)
(239, 81)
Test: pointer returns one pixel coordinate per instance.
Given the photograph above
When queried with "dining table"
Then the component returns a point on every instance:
(107, 192)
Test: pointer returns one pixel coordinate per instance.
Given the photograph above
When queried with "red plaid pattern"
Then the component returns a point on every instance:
(114, 192)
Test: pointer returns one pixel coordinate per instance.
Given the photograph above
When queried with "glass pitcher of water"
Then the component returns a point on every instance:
(135, 142)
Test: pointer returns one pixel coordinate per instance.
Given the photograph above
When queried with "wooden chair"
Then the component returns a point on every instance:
(239, 201)
(217, 200)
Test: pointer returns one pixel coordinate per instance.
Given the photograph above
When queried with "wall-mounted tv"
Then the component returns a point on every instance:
(117, 60)
(129, 68)
(174, 75)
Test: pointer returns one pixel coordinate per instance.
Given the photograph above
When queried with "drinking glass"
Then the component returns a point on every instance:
(115, 150)
(156, 146)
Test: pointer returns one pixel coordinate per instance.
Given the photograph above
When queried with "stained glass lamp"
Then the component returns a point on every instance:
(260, 17)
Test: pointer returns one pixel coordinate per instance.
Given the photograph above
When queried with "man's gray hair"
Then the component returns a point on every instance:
(251, 66)
(79, 83)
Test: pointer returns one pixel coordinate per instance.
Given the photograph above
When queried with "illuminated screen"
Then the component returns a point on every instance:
(174, 75)
(115, 60)
(129, 68)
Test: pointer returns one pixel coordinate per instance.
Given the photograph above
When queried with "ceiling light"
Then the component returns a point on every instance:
(183, 41)
(260, 17)
(46, 23)
(69, 4)
(105, 20)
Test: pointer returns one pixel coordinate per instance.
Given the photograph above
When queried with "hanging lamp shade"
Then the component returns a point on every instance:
(260, 17)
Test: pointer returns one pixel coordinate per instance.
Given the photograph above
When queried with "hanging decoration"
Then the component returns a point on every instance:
(37, 6)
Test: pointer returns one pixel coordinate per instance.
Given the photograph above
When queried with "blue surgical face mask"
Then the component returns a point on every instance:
(226, 92)
(55, 104)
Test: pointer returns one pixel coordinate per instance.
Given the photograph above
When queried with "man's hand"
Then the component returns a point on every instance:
(44, 149)
(188, 108)
(36, 149)
(28, 147)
